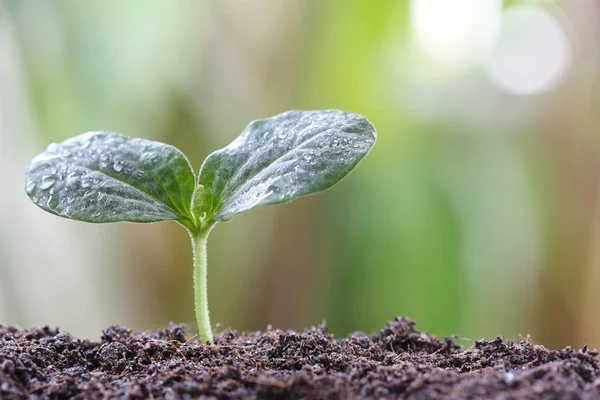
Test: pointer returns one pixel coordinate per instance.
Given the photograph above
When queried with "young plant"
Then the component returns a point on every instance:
(108, 177)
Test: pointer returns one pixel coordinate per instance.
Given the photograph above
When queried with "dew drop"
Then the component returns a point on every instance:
(72, 180)
(35, 199)
(103, 162)
(52, 147)
(151, 157)
(86, 183)
(30, 186)
(118, 166)
(87, 141)
(47, 182)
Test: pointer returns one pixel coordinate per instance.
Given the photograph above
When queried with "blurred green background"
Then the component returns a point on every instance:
(477, 213)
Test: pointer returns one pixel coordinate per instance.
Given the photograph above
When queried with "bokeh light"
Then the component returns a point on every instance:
(532, 54)
(454, 34)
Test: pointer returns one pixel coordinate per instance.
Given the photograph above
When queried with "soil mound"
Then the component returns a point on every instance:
(399, 362)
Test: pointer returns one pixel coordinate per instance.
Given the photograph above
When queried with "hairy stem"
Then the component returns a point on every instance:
(200, 285)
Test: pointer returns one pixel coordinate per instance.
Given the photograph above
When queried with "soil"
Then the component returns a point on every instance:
(398, 362)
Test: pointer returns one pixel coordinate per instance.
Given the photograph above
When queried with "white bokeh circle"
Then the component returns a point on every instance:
(532, 53)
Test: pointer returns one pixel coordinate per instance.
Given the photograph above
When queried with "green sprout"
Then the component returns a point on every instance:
(104, 177)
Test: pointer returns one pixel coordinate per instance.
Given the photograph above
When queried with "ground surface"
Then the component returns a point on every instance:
(399, 362)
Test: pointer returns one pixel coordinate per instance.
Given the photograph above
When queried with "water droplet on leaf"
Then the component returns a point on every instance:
(30, 187)
(52, 147)
(151, 157)
(87, 140)
(72, 180)
(47, 182)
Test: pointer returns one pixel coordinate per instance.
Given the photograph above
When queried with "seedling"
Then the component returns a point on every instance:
(104, 177)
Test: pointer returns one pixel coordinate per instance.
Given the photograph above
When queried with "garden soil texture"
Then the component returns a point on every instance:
(398, 362)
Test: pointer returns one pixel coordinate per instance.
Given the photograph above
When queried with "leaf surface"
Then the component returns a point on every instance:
(108, 177)
(280, 158)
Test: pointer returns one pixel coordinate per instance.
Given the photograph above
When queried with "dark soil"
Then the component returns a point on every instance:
(399, 362)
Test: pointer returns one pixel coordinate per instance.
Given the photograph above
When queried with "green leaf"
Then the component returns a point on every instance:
(108, 177)
(283, 157)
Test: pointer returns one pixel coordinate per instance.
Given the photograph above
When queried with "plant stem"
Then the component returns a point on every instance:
(200, 285)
